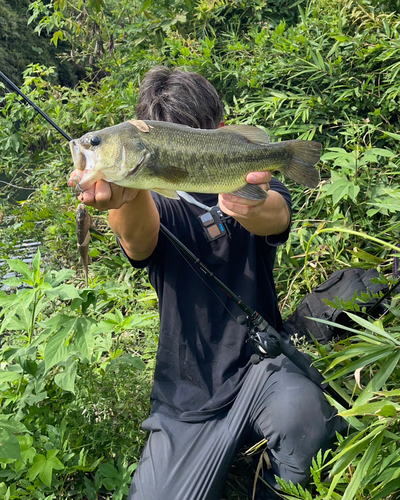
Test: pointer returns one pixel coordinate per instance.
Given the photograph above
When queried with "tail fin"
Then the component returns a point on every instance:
(300, 165)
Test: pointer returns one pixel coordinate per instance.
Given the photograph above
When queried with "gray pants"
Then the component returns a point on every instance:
(191, 461)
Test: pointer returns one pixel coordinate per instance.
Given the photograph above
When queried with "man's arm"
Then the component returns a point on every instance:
(135, 220)
(263, 218)
(137, 225)
(133, 216)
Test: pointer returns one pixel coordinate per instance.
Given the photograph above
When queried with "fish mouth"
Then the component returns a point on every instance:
(85, 162)
(84, 159)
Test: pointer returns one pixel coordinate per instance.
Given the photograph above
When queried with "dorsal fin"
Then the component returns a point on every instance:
(252, 134)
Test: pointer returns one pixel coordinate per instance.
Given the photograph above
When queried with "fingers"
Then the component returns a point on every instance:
(104, 195)
(101, 196)
(236, 206)
(259, 177)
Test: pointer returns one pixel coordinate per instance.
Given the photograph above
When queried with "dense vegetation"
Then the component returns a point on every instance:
(76, 362)
(20, 46)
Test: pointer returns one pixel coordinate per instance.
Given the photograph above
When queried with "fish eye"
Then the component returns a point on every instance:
(95, 141)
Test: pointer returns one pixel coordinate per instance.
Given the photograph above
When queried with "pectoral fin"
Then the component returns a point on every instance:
(168, 193)
(168, 173)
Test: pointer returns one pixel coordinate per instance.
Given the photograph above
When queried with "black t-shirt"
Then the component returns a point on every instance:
(203, 353)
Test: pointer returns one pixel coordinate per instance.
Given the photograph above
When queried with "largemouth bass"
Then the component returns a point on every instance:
(83, 223)
(166, 157)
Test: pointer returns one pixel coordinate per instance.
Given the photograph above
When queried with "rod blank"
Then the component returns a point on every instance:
(46, 117)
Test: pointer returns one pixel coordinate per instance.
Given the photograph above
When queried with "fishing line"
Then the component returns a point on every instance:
(18, 187)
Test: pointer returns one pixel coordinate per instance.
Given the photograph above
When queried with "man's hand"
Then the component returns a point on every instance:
(243, 207)
(105, 195)
(261, 217)
(133, 215)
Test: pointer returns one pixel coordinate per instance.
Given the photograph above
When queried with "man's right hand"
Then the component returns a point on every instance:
(133, 215)
(105, 195)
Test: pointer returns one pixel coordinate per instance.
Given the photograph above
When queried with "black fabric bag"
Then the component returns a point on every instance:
(344, 285)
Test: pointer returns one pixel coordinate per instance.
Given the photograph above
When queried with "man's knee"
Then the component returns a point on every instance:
(297, 422)
(298, 412)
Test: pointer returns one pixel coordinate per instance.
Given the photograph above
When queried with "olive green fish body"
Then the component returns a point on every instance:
(166, 157)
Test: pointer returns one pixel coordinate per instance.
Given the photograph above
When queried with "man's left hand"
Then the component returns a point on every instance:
(243, 207)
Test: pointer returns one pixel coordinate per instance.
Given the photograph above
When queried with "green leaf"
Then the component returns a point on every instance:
(7, 300)
(392, 135)
(63, 292)
(97, 4)
(60, 276)
(9, 446)
(84, 340)
(56, 350)
(12, 281)
(22, 319)
(379, 379)
(7, 376)
(364, 467)
(380, 152)
(43, 467)
(380, 353)
(342, 38)
(111, 477)
(373, 328)
(103, 327)
(388, 394)
(388, 489)
(359, 349)
(27, 451)
(66, 379)
(341, 189)
(58, 35)
(109, 470)
(11, 426)
(36, 266)
(22, 268)
(348, 454)
(59, 320)
(372, 408)
(351, 447)
(127, 359)
(367, 257)
(29, 366)
(388, 411)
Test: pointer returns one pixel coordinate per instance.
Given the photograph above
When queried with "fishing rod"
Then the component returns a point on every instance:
(46, 117)
(265, 340)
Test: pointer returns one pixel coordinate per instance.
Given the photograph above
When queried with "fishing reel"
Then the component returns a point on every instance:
(268, 343)
(265, 340)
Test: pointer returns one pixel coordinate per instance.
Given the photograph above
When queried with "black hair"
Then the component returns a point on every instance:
(177, 96)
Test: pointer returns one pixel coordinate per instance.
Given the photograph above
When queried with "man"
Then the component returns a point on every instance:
(208, 400)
